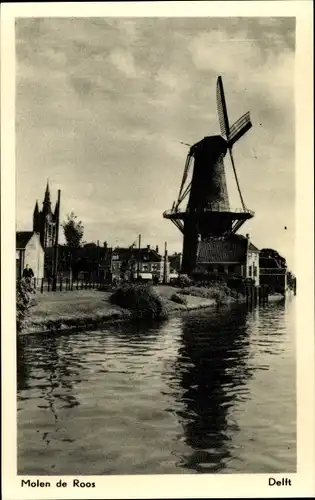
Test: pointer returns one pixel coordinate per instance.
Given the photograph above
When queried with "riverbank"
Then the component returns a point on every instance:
(86, 309)
(58, 312)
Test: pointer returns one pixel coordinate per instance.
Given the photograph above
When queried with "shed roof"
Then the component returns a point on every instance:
(268, 262)
(231, 249)
(22, 238)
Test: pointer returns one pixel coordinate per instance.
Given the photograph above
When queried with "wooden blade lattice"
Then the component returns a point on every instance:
(182, 195)
(239, 128)
(222, 111)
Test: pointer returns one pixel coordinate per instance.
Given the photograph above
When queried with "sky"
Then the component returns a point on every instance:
(102, 105)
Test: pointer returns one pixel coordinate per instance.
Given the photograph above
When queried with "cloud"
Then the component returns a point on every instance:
(102, 104)
(124, 62)
(242, 61)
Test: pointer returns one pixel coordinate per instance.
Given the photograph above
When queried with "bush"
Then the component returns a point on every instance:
(218, 292)
(25, 299)
(140, 299)
(183, 281)
(178, 299)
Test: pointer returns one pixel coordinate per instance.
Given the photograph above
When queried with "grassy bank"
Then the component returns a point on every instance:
(86, 309)
(56, 312)
(63, 311)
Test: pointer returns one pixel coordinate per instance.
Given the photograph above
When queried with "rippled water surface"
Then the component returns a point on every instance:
(208, 392)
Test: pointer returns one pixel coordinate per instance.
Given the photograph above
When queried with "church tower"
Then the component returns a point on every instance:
(45, 221)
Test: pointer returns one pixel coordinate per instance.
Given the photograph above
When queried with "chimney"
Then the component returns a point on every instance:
(157, 248)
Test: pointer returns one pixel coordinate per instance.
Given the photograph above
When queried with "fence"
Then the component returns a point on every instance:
(67, 284)
(274, 278)
(256, 294)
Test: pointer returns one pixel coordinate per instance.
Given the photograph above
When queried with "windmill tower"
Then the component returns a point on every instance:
(207, 213)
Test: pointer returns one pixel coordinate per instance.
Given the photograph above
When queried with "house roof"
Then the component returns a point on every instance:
(140, 254)
(253, 248)
(231, 249)
(122, 253)
(22, 238)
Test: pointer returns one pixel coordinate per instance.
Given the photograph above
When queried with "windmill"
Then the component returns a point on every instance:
(207, 213)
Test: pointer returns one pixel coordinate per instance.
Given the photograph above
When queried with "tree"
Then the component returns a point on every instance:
(73, 231)
(271, 253)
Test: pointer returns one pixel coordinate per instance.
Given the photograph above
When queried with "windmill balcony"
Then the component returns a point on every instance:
(171, 212)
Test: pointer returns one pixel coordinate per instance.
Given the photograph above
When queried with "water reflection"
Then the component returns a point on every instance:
(137, 336)
(59, 362)
(21, 366)
(212, 370)
(43, 369)
(198, 393)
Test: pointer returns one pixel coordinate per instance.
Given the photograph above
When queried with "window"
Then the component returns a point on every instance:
(255, 271)
(250, 271)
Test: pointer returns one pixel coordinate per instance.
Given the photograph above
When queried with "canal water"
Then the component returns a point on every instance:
(210, 392)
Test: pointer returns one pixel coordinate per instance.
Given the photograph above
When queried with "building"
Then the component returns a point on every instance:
(175, 260)
(90, 262)
(273, 271)
(45, 221)
(145, 263)
(29, 251)
(235, 255)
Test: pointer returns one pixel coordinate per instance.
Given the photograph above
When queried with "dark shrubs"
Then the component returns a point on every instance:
(217, 292)
(183, 281)
(179, 299)
(25, 299)
(140, 299)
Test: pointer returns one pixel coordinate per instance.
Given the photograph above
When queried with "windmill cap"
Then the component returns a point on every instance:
(213, 145)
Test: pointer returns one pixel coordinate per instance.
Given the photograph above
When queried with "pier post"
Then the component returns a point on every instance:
(256, 295)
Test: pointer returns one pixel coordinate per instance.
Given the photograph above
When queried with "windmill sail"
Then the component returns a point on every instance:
(185, 174)
(239, 128)
(222, 111)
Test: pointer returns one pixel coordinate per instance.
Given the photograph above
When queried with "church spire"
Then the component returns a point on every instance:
(47, 202)
(47, 192)
(36, 209)
(36, 218)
